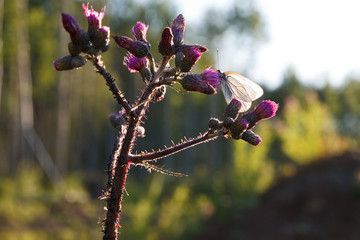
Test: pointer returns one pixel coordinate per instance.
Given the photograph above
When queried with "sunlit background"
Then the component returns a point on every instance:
(301, 182)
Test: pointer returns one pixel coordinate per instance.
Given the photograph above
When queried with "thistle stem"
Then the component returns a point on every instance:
(123, 161)
(171, 150)
(110, 82)
(118, 184)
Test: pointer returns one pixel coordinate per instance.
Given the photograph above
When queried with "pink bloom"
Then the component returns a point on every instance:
(212, 77)
(207, 82)
(94, 18)
(265, 109)
(139, 31)
(134, 64)
(101, 39)
(190, 59)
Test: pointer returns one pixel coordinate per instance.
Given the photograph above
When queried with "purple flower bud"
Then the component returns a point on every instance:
(184, 48)
(190, 59)
(178, 28)
(94, 18)
(178, 58)
(214, 123)
(266, 109)
(207, 82)
(70, 24)
(212, 77)
(238, 128)
(73, 50)
(228, 122)
(99, 35)
(79, 37)
(166, 42)
(194, 82)
(78, 62)
(233, 109)
(101, 39)
(137, 48)
(251, 137)
(69, 62)
(134, 64)
(139, 31)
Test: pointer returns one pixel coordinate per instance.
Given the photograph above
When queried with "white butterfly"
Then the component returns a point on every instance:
(234, 85)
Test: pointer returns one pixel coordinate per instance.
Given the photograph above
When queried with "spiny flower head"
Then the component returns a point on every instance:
(101, 39)
(212, 77)
(265, 109)
(166, 42)
(233, 109)
(251, 137)
(207, 82)
(69, 62)
(238, 127)
(178, 28)
(79, 37)
(190, 58)
(70, 24)
(94, 18)
(135, 64)
(139, 31)
(137, 48)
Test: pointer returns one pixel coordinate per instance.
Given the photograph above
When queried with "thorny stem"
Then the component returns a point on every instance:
(118, 183)
(136, 159)
(123, 162)
(110, 81)
(112, 161)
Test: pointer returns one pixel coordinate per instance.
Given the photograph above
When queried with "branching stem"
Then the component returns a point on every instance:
(136, 159)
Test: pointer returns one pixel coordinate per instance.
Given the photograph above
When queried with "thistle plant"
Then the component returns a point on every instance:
(88, 46)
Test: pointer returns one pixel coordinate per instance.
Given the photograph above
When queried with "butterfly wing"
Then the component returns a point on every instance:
(237, 86)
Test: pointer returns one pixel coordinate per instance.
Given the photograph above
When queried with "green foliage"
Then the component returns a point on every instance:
(253, 171)
(309, 132)
(30, 208)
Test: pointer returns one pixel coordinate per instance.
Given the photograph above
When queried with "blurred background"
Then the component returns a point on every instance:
(302, 182)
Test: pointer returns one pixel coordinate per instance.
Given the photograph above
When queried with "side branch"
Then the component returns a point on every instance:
(144, 157)
(110, 81)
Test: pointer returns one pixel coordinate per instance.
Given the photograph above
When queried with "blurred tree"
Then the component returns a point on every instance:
(309, 132)
(252, 170)
(70, 110)
(350, 109)
(1, 48)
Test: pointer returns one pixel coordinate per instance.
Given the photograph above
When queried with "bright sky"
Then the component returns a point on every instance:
(320, 39)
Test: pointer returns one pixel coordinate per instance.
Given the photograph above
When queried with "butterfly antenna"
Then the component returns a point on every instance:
(217, 59)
